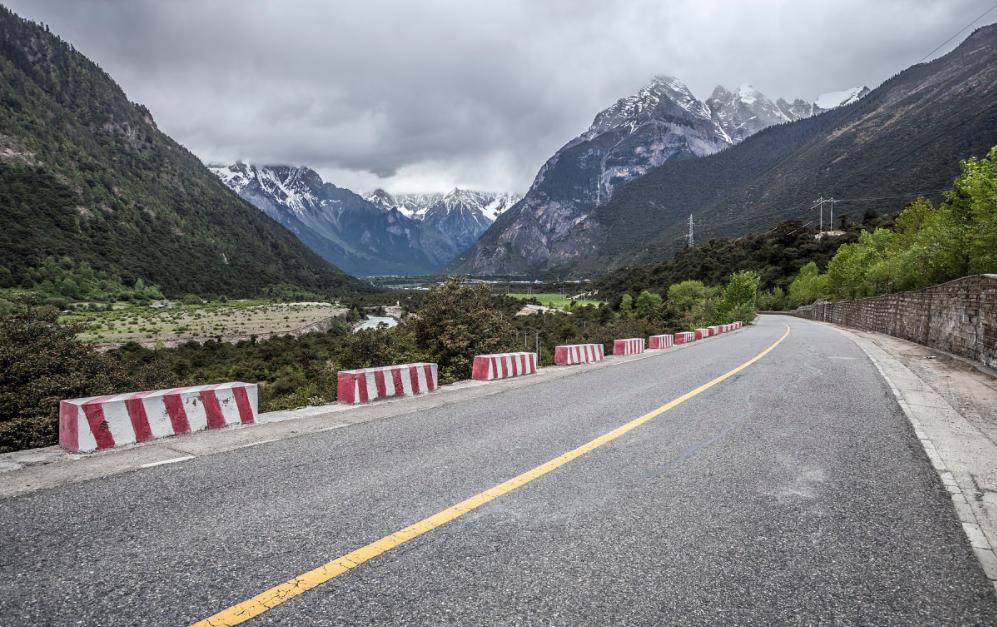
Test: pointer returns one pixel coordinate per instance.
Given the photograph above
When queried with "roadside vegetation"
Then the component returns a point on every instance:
(44, 360)
(776, 256)
(928, 244)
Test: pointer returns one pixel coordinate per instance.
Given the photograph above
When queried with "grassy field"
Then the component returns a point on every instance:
(174, 323)
(553, 299)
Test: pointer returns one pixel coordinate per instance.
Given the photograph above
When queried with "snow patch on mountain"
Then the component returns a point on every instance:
(416, 206)
(834, 99)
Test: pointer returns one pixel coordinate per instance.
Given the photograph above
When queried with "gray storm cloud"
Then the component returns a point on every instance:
(422, 96)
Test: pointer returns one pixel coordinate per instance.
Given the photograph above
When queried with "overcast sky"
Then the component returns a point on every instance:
(425, 95)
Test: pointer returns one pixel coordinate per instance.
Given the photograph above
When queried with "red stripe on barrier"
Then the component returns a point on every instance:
(94, 412)
(242, 402)
(69, 426)
(212, 410)
(379, 383)
(139, 419)
(430, 384)
(396, 378)
(344, 388)
(176, 412)
(413, 374)
(361, 383)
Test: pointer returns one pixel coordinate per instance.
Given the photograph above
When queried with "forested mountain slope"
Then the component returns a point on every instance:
(85, 174)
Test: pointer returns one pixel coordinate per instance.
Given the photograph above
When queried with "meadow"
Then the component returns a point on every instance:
(555, 300)
(168, 323)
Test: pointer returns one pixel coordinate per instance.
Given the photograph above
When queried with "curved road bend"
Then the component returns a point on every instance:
(793, 491)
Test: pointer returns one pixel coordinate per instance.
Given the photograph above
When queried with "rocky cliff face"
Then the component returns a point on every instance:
(743, 112)
(662, 121)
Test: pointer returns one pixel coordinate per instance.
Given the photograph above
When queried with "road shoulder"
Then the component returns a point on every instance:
(954, 414)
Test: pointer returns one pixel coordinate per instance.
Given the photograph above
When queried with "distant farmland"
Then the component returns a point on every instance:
(229, 321)
(553, 299)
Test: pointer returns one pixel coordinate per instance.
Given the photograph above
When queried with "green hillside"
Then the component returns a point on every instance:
(86, 175)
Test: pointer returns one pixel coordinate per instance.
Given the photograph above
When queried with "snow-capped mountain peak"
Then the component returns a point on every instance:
(834, 99)
(663, 120)
(236, 176)
(747, 94)
(294, 187)
(376, 234)
(662, 96)
(381, 198)
(743, 112)
(746, 110)
(417, 206)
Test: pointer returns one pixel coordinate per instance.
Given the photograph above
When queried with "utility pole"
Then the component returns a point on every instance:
(691, 240)
(832, 214)
(820, 201)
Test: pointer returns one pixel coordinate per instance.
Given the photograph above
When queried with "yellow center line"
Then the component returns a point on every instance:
(268, 599)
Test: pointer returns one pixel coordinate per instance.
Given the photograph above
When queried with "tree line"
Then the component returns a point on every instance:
(928, 244)
(42, 360)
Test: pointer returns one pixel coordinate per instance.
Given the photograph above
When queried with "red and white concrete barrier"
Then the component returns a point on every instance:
(571, 354)
(629, 346)
(503, 366)
(103, 422)
(685, 337)
(701, 333)
(660, 341)
(368, 384)
(714, 330)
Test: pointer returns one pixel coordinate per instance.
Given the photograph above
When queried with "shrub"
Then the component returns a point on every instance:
(739, 298)
(41, 363)
(808, 286)
(456, 322)
(648, 305)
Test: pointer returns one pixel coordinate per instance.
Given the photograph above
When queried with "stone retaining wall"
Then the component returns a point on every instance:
(959, 317)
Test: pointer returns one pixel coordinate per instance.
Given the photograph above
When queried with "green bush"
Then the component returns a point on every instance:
(457, 321)
(928, 245)
(41, 363)
(691, 302)
(738, 301)
(648, 305)
(808, 286)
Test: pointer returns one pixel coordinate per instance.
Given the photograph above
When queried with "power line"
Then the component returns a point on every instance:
(907, 195)
(942, 45)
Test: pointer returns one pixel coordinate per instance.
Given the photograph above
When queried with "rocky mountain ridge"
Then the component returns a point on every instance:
(662, 121)
(877, 152)
(373, 235)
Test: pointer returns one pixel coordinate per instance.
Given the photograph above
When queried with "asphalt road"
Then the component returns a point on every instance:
(794, 491)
